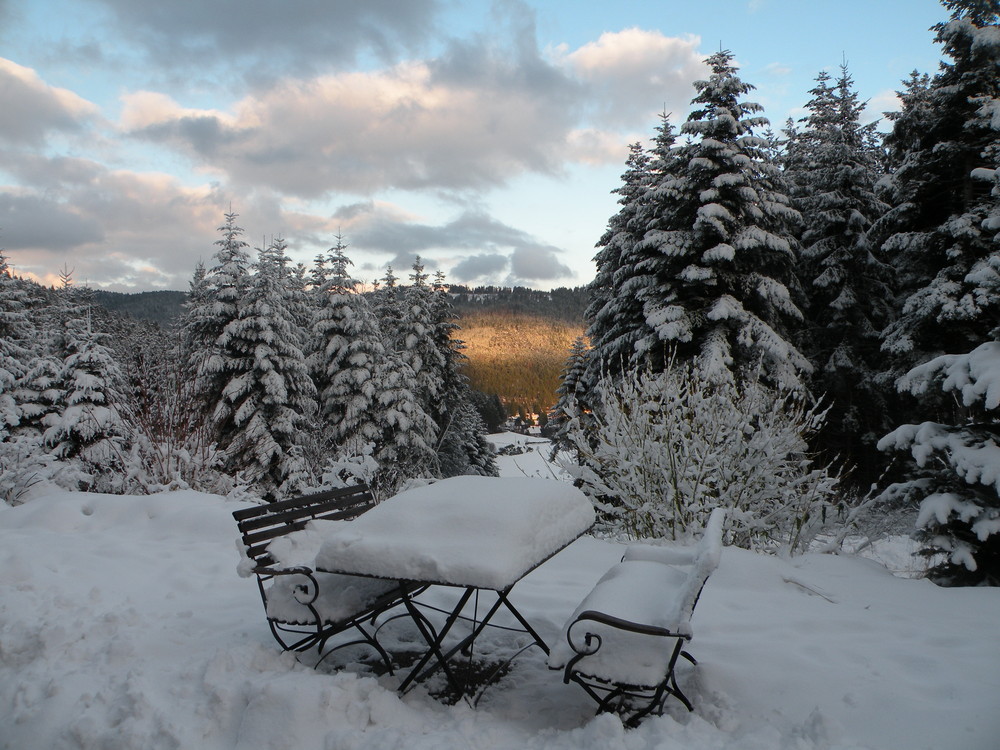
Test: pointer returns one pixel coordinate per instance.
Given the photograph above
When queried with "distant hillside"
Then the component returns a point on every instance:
(517, 356)
(159, 307)
(517, 340)
(559, 304)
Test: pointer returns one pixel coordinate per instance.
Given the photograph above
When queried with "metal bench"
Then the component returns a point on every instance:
(306, 608)
(624, 639)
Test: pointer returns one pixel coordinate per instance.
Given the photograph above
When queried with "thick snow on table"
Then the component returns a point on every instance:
(466, 531)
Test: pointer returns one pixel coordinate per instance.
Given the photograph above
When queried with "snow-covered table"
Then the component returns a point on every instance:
(473, 533)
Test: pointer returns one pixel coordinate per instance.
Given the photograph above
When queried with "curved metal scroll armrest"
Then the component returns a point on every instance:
(592, 642)
(623, 624)
(305, 593)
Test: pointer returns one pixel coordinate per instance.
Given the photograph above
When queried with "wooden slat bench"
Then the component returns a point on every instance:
(306, 608)
(624, 639)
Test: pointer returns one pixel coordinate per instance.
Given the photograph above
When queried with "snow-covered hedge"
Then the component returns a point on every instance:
(660, 451)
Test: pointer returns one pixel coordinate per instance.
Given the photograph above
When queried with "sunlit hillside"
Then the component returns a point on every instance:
(519, 357)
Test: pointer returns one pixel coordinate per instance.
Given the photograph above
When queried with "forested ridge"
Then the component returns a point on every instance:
(517, 356)
(515, 339)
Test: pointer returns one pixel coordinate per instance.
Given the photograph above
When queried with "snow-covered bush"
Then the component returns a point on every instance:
(27, 467)
(660, 451)
(956, 477)
(352, 464)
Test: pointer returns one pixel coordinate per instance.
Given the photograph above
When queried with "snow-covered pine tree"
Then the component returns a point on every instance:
(387, 305)
(300, 302)
(955, 473)
(725, 238)
(450, 349)
(195, 325)
(418, 343)
(14, 333)
(38, 393)
(212, 306)
(463, 448)
(405, 448)
(349, 357)
(86, 423)
(615, 317)
(319, 272)
(833, 164)
(935, 233)
(573, 390)
(268, 394)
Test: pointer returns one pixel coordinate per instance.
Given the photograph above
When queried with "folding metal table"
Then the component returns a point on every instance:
(470, 533)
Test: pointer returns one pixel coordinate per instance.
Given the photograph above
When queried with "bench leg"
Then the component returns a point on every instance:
(632, 702)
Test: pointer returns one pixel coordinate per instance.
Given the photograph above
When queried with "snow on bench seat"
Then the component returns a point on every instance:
(340, 597)
(643, 600)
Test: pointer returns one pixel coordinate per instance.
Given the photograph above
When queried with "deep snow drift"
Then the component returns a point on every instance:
(123, 624)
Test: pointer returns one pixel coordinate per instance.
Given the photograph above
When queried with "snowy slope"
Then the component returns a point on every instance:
(123, 624)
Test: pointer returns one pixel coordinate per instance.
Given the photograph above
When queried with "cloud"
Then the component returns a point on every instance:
(35, 221)
(473, 247)
(487, 109)
(32, 109)
(471, 119)
(116, 227)
(32, 168)
(260, 36)
(777, 69)
(483, 267)
(533, 264)
(365, 131)
(635, 73)
(884, 101)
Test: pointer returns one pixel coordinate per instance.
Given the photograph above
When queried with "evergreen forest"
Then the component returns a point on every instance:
(847, 278)
(801, 322)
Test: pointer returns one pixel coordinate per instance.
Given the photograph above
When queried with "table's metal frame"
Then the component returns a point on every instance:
(435, 638)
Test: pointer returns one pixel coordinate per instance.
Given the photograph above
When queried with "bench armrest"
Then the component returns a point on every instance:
(305, 593)
(277, 570)
(615, 622)
(592, 642)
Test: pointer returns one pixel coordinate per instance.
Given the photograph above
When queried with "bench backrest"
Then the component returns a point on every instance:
(261, 524)
(706, 560)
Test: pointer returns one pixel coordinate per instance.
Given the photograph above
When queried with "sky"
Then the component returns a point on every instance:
(484, 137)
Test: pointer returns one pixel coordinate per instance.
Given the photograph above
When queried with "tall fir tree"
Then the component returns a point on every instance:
(418, 343)
(349, 357)
(15, 331)
(951, 468)
(722, 232)
(264, 406)
(947, 219)
(573, 390)
(462, 447)
(833, 164)
(934, 232)
(388, 306)
(213, 305)
(615, 316)
(405, 448)
(86, 423)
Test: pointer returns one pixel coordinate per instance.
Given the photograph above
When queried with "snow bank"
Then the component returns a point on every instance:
(123, 625)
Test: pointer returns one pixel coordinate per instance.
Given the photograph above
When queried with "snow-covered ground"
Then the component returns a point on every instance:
(123, 624)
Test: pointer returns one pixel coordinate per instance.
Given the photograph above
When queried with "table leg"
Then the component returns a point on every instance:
(433, 643)
(435, 640)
